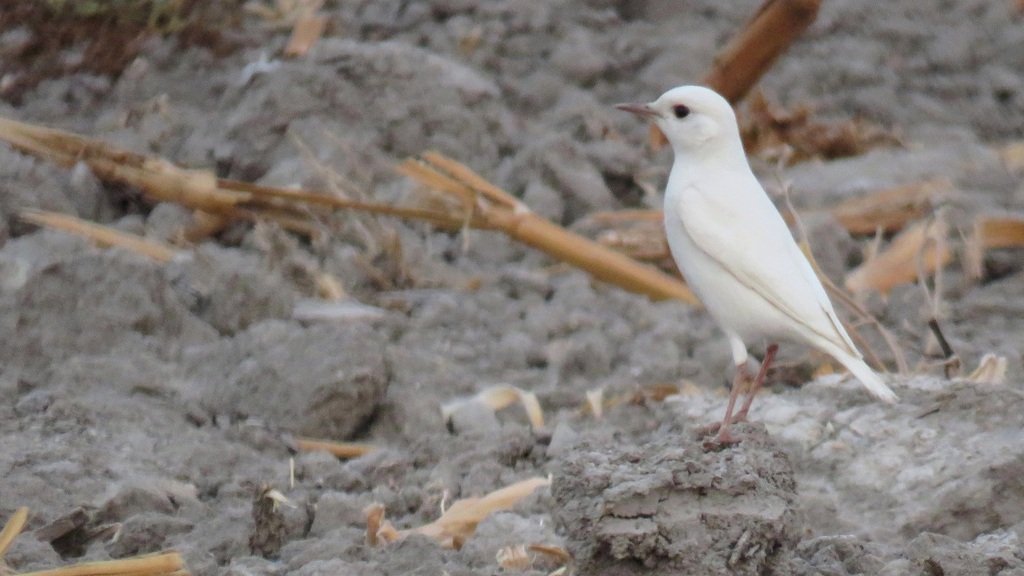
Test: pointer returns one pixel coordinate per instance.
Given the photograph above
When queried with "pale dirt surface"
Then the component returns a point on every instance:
(159, 397)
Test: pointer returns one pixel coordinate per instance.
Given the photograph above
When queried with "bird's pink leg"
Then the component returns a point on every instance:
(724, 437)
(769, 356)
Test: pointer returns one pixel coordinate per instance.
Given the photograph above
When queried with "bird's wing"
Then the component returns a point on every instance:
(752, 243)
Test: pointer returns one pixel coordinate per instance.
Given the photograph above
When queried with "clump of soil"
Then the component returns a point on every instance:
(669, 506)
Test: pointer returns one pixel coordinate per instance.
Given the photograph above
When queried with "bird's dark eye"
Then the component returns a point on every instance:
(680, 111)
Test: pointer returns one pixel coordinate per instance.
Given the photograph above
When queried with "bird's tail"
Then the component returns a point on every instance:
(868, 377)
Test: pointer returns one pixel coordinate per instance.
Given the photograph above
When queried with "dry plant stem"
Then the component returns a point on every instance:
(617, 216)
(484, 205)
(992, 232)
(1000, 231)
(165, 182)
(496, 209)
(458, 522)
(947, 350)
(338, 449)
(102, 235)
(46, 143)
(600, 262)
(752, 51)
(474, 181)
(499, 397)
(951, 366)
(895, 265)
(889, 210)
(163, 563)
(13, 527)
(557, 552)
(462, 517)
(307, 30)
(440, 219)
(161, 180)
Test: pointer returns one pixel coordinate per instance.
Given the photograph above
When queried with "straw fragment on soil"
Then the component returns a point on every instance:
(897, 264)
(992, 231)
(168, 563)
(518, 558)
(1004, 231)
(11, 530)
(889, 210)
(559, 554)
(307, 30)
(104, 236)
(458, 522)
(338, 449)
(497, 398)
(991, 370)
(514, 558)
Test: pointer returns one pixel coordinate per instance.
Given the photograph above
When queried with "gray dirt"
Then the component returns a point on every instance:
(157, 401)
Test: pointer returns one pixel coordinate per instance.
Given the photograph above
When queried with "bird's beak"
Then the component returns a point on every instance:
(638, 109)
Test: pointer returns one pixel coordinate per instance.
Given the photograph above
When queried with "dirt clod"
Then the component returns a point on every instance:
(669, 507)
(269, 530)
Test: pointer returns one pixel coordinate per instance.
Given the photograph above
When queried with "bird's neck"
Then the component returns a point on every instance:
(728, 157)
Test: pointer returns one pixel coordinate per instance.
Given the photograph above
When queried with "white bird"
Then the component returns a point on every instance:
(734, 248)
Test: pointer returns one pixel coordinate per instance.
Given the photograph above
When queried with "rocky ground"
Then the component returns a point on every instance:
(158, 399)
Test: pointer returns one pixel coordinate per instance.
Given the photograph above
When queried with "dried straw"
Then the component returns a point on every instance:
(11, 530)
(338, 449)
(458, 522)
(101, 235)
(497, 398)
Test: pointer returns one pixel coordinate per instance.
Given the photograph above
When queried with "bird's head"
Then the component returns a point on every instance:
(695, 119)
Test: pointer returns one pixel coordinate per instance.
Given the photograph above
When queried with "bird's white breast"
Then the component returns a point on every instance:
(735, 307)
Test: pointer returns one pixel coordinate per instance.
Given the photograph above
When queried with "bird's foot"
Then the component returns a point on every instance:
(723, 439)
(724, 436)
(705, 431)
